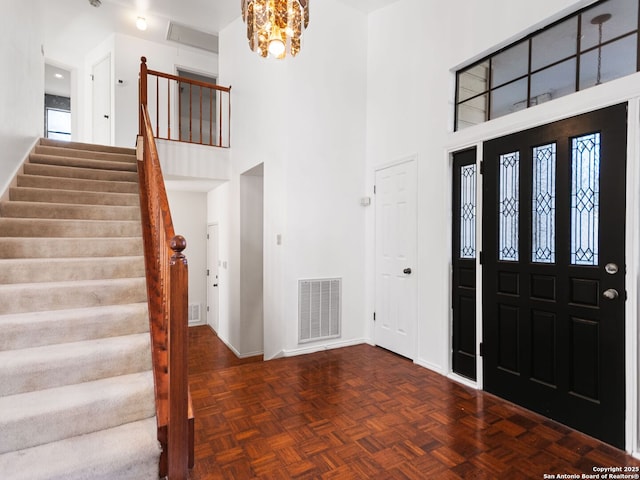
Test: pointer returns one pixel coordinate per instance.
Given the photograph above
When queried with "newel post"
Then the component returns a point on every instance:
(142, 83)
(178, 428)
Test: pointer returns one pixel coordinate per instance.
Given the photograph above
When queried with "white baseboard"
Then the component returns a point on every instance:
(430, 366)
(319, 348)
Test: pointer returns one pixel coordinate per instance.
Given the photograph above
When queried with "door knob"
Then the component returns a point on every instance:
(106, 116)
(611, 268)
(215, 284)
(610, 294)
(407, 271)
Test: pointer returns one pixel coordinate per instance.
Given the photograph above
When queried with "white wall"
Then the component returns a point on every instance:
(305, 119)
(125, 54)
(409, 100)
(410, 91)
(21, 84)
(189, 214)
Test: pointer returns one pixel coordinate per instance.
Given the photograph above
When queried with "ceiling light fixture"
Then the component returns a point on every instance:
(58, 75)
(274, 27)
(141, 23)
(95, 3)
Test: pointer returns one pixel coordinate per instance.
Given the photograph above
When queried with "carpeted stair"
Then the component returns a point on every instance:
(76, 386)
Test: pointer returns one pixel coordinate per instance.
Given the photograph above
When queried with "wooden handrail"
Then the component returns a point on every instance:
(211, 128)
(167, 296)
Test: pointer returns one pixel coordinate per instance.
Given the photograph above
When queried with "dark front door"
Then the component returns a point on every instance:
(464, 263)
(554, 268)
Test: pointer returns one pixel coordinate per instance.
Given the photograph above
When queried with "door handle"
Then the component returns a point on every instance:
(106, 116)
(610, 294)
(407, 271)
(215, 284)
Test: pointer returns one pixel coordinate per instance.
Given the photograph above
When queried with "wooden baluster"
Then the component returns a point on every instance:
(157, 107)
(200, 142)
(220, 122)
(178, 431)
(142, 92)
(212, 92)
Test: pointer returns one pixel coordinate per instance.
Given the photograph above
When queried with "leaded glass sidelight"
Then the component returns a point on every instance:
(543, 208)
(585, 199)
(468, 211)
(509, 206)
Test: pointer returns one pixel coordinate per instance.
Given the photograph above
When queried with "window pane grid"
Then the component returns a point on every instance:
(609, 41)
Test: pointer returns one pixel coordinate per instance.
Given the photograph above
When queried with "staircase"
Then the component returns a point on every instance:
(76, 385)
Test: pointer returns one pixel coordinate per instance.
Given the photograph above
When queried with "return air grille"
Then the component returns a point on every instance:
(192, 37)
(319, 309)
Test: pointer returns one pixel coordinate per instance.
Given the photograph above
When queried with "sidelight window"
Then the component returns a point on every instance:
(468, 211)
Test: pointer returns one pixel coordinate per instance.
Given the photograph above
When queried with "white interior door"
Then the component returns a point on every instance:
(212, 277)
(101, 101)
(396, 252)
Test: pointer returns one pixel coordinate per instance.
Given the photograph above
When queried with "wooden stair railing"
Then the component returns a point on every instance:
(167, 294)
(202, 117)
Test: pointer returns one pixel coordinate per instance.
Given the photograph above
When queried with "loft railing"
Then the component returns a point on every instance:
(186, 110)
(167, 295)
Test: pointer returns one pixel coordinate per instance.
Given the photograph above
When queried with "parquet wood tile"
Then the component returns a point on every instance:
(364, 413)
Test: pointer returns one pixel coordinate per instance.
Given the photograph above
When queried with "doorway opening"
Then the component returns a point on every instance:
(252, 260)
(57, 103)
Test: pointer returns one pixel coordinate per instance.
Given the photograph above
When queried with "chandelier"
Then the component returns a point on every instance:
(275, 26)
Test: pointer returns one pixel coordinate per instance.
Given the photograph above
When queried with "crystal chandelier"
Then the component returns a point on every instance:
(275, 26)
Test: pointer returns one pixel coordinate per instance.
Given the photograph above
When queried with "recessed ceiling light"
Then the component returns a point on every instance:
(58, 75)
(141, 23)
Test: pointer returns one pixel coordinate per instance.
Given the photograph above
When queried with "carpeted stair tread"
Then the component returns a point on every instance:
(38, 297)
(53, 195)
(76, 162)
(26, 227)
(77, 172)
(38, 417)
(34, 270)
(50, 366)
(89, 147)
(48, 247)
(77, 397)
(19, 209)
(77, 184)
(81, 153)
(127, 452)
(35, 329)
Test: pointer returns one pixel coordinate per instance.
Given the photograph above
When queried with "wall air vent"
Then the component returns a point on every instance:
(319, 309)
(192, 37)
(194, 313)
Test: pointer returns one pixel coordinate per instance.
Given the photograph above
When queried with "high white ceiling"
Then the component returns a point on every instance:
(69, 20)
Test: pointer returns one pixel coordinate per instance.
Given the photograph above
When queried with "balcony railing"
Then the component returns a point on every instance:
(186, 110)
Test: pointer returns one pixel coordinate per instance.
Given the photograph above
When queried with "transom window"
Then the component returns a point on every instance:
(595, 45)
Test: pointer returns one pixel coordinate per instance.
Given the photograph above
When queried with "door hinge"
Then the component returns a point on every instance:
(207, 308)
(92, 77)
(207, 272)
(482, 167)
(374, 189)
(481, 349)
(207, 236)
(481, 258)
(374, 316)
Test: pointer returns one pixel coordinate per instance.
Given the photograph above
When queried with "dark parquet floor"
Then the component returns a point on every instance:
(364, 413)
